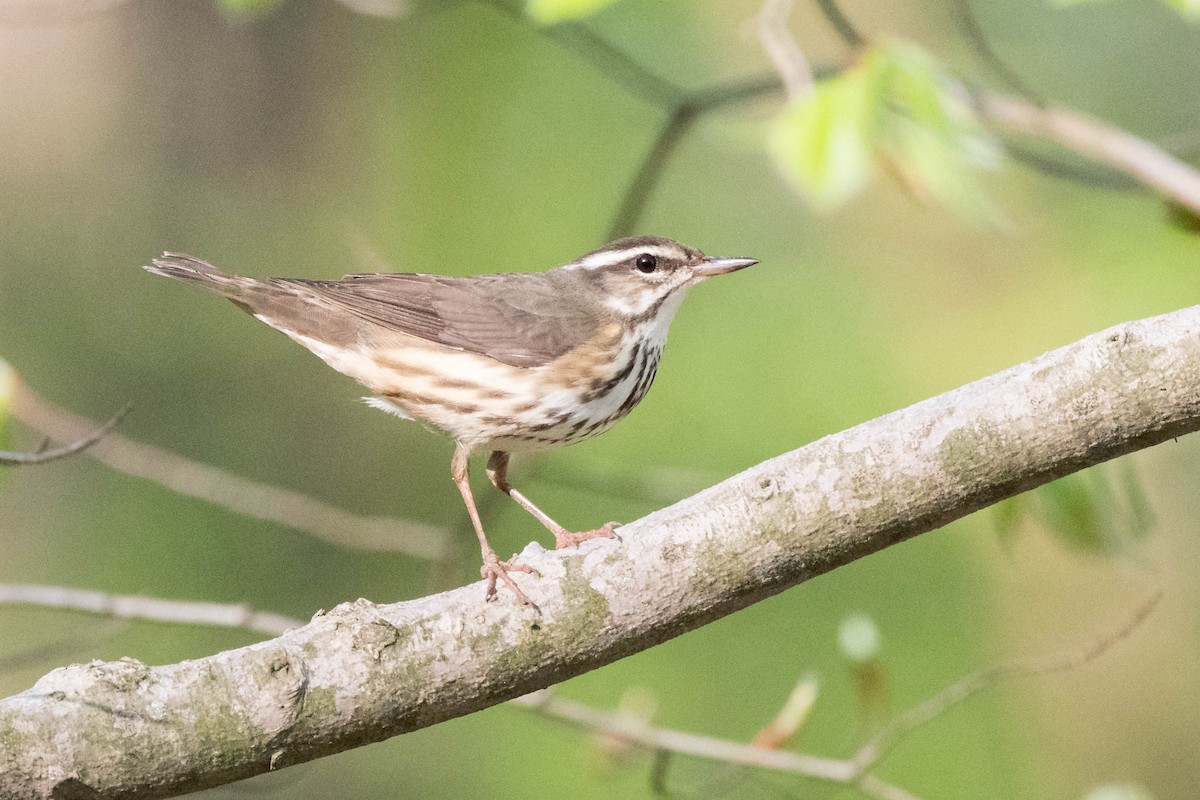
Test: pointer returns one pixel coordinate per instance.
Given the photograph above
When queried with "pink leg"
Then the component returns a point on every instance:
(493, 568)
(497, 470)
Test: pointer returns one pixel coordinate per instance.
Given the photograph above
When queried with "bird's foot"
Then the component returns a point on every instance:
(567, 539)
(494, 569)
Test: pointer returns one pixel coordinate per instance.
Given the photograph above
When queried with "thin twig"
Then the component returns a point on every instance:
(841, 23)
(608, 59)
(42, 455)
(222, 615)
(1104, 178)
(1097, 140)
(643, 734)
(1146, 164)
(45, 13)
(249, 498)
(854, 771)
(887, 738)
(988, 55)
(644, 181)
(667, 740)
(787, 57)
(53, 13)
(614, 63)
(385, 9)
(679, 122)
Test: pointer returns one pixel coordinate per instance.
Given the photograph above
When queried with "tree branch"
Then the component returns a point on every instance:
(157, 609)
(882, 742)
(841, 23)
(78, 446)
(781, 47)
(642, 734)
(362, 672)
(854, 771)
(1100, 141)
(237, 494)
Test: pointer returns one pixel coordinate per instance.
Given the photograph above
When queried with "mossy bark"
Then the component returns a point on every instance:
(364, 672)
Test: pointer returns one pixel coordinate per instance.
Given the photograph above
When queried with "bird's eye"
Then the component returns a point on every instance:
(646, 263)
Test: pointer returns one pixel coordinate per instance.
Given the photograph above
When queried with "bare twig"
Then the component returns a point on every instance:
(988, 55)
(841, 23)
(1104, 178)
(42, 455)
(220, 615)
(887, 738)
(1149, 166)
(1097, 140)
(386, 9)
(678, 123)
(854, 771)
(643, 734)
(643, 182)
(46, 13)
(616, 64)
(780, 46)
(610, 60)
(1146, 164)
(252, 499)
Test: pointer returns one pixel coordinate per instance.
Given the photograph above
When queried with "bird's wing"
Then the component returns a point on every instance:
(519, 319)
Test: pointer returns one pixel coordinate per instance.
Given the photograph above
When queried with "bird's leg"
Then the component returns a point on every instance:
(493, 568)
(497, 471)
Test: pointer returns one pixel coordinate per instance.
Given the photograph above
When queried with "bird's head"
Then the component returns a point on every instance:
(641, 276)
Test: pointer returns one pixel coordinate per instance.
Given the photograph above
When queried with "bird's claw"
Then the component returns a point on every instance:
(567, 539)
(494, 569)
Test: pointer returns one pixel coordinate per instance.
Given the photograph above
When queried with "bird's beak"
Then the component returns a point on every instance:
(721, 266)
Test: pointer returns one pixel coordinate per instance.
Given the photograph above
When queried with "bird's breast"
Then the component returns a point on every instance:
(483, 402)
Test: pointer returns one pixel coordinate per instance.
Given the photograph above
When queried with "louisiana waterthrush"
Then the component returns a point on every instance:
(507, 362)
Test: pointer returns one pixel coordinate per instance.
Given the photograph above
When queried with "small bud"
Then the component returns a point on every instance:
(8, 386)
(1114, 791)
(792, 716)
(858, 638)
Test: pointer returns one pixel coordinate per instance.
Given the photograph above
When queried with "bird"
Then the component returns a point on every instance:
(503, 363)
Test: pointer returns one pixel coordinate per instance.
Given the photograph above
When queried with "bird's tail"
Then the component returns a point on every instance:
(285, 304)
(195, 270)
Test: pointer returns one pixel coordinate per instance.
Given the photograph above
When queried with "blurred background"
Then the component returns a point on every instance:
(313, 139)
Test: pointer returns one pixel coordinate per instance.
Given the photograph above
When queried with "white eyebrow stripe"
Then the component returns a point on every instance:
(606, 258)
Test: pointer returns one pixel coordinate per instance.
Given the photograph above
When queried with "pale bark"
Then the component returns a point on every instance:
(363, 672)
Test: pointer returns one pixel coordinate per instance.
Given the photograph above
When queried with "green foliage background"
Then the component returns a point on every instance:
(308, 140)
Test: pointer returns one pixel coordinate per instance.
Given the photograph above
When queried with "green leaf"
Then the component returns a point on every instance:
(822, 142)
(896, 105)
(1006, 518)
(1102, 510)
(1070, 510)
(931, 136)
(1140, 515)
(1128, 791)
(550, 12)
(1188, 8)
